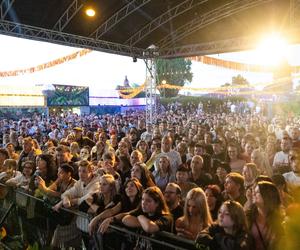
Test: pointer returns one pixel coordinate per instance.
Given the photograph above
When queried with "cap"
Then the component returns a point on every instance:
(77, 129)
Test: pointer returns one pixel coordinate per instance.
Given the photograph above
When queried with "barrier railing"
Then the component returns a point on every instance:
(26, 214)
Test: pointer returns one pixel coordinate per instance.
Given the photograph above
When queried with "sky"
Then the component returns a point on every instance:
(101, 71)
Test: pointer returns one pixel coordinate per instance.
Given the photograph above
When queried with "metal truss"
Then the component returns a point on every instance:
(294, 13)
(150, 88)
(5, 6)
(164, 18)
(150, 92)
(40, 34)
(117, 17)
(68, 15)
(229, 45)
(210, 17)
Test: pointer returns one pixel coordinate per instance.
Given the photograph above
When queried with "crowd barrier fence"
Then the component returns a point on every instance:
(27, 219)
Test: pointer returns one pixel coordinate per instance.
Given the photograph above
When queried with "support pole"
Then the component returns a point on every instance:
(151, 108)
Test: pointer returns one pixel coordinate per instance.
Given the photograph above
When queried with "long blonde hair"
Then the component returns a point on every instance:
(111, 182)
(199, 197)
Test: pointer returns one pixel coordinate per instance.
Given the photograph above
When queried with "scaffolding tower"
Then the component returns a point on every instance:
(150, 54)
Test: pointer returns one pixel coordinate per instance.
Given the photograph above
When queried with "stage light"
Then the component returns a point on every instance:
(90, 12)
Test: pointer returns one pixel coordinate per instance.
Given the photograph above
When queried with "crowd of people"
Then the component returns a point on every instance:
(222, 180)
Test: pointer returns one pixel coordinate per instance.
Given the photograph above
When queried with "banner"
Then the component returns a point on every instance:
(46, 65)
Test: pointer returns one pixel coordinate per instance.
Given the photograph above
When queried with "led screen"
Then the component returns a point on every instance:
(65, 95)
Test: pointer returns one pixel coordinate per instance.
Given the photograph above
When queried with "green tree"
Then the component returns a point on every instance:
(239, 80)
(173, 71)
(226, 85)
(238, 83)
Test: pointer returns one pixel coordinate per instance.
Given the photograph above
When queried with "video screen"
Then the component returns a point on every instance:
(65, 95)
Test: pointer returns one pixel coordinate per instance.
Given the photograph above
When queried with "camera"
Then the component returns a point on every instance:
(37, 173)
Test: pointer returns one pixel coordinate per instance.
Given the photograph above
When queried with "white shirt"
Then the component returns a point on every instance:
(146, 136)
(174, 158)
(281, 158)
(292, 180)
(20, 180)
(4, 174)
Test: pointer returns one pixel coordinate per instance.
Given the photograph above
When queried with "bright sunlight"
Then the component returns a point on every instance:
(272, 50)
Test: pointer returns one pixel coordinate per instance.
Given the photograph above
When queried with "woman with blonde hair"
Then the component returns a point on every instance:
(262, 162)
(163, 175)
(143, 147)
(98, 151)
(107, 196)
(250, 173)
(75, 149)
(196, 215)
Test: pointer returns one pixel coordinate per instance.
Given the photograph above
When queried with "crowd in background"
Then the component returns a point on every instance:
(224, 180)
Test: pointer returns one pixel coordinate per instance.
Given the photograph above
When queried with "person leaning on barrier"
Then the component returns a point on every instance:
(84, 188)
(9, 170)
(45, 171)
(63, 182)
(106, 198)
(23, 180)
(66, 232)
(196, 215)
(129, 201)
(154, 214)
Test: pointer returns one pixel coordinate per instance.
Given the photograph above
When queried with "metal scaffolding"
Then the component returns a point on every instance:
(201, 49)
(207, 18)
(68, 15)
(40, 34)
(117, 17)
(5, 6)
(150, 88)
(162, 19)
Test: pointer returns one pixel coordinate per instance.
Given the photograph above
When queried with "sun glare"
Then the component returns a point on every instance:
(272, 50)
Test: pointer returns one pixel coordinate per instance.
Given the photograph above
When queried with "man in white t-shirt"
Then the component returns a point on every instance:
(281, 158)
(147, 135)
(174, 156)
(292, 178)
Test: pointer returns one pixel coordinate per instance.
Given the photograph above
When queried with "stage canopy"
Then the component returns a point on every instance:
(128, 27)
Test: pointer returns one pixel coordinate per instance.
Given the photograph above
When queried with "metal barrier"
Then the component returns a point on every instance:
(30, 215)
